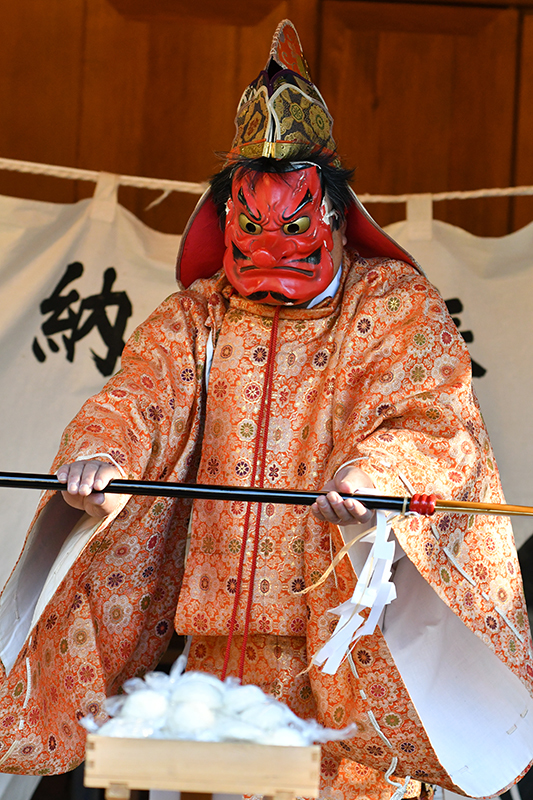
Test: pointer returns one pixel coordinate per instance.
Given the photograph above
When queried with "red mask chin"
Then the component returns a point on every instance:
(278, 237)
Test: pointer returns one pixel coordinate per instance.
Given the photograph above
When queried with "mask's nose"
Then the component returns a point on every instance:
(270, 249)
(264, 258)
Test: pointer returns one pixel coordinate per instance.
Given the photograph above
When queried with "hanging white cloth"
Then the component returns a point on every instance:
(75, 280)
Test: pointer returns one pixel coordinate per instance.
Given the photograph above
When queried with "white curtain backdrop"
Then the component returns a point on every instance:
(488, 286)
(75, 280)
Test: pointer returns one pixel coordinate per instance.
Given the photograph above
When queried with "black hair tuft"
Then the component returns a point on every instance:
(334, 178)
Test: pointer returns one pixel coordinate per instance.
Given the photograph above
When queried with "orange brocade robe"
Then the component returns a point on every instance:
(378, 374)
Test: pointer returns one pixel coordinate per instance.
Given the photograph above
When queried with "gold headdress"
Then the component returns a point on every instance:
(282, 109)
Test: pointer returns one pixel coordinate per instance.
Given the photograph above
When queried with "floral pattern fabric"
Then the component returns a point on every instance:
(379, 374)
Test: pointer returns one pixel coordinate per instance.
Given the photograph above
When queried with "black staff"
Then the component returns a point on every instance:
(418, 503)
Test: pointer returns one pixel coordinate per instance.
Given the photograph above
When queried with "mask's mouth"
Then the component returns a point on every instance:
(282, 268)
(314, 259)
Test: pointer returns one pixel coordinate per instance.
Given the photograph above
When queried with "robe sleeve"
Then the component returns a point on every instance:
(410, 416)
(412, 422)
(87, 608)
(144, 416)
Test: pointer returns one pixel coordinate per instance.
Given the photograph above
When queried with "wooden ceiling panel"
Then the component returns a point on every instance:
(423, 96)
(114, 85)
(159, 99)
(236, 12)
(197, 73)
(40, 67)
(523, 206)
(423, 100)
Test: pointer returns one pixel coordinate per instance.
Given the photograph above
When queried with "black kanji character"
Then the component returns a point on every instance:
(455, 306)
(63, 318)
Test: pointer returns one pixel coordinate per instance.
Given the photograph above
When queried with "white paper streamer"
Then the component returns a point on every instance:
(374, 590)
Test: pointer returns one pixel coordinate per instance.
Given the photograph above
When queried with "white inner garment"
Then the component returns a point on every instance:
(478, 715)
(23, 589)
(329, 291)
(71, 549)
(45, 582)
(18, 787)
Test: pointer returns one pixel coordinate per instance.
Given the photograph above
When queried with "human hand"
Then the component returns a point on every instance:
(85, 481)
(333, 508)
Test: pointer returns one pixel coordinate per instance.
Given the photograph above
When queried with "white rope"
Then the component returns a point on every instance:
(511, 191)
(188, 187)
(92, 175)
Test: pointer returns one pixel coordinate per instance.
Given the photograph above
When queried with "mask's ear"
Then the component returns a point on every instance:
(342, 230)
(330, 215)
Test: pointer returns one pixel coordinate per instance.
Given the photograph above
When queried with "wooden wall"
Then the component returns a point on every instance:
(425, 96)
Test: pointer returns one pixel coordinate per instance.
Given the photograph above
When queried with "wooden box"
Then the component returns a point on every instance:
(119, 765)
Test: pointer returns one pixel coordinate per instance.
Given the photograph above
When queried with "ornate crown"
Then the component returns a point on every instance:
(282, 109)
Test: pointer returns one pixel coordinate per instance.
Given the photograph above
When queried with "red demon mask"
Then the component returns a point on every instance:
(278, 237)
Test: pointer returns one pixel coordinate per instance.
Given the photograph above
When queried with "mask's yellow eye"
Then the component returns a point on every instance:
(297, 226)
(248, 226)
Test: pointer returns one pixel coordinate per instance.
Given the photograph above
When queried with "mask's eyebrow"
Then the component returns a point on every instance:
(308, 197)
(242, 199)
